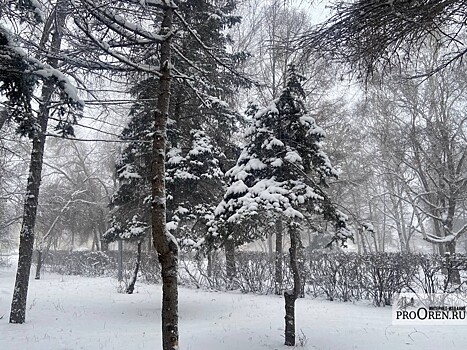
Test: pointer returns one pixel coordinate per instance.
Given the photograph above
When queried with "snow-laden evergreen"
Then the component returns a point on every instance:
(194, 183)
(200, 124)
(283, 167)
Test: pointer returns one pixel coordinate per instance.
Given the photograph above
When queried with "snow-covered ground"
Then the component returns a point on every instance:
(69, 312)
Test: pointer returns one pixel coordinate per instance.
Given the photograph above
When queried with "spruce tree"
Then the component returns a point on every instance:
(200, 126)
(282, 169)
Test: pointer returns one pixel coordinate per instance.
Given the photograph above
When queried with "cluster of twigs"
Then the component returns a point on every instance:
(385, 34)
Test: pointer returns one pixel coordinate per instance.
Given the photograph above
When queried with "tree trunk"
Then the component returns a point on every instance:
(43, 253)
(270, 246)
(230, 266)
(278, 258)
(26, 244)
(3, 117)
(39, 264)
(131, 286)
(453, 269)
(72, 245)
(357, 242)
(120, 260)
(104, 246)
(209, 266)
(291, 295)
(164, 243)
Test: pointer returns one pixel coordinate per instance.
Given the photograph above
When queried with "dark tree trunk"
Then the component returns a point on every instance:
(289, 318)
(120, 261)
(209, 267)
(278, 258)
(166, 247)
(42, 254)
(453, 268)
(131, 286)
(26, 244)
(104, 246)
(291, 295)
(230, 267)
(39, 264)
(72, 245)
(3, 117)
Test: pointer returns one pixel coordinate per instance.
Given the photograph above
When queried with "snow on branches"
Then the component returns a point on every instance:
(19, 77)
(281, 169)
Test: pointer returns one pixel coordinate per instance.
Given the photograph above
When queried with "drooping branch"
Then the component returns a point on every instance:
(375, 34)
(118, 56)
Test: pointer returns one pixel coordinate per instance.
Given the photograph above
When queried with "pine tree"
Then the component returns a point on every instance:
(282, 169)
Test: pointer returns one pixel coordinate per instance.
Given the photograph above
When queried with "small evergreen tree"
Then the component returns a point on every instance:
(283, 169)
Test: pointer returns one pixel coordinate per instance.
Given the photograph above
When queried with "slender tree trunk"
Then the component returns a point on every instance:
(365, 249)
(3, 118)
(270, 246)
(357, 242)
(103, 246)
(120, 260)
(278, 258)
(291, 295)
(209, 266)
(150, 244)
(39, 264)
(26, 245)
(231, 269)
(72, 245)
(95, 241)
(131, 286)
(164, 243)
(40, 261)
(453, 270)
(42, 253)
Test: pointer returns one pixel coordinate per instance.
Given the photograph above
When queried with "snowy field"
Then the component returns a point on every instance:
(69, 312)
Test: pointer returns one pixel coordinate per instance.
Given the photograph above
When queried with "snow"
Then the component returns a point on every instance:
(161, 3)
(172, 239)
(171, 226)
(217, 101)
(136, 231)
(174, 156)
(255, 164)
(46, 72)
(277, 162)
(128, 174)
(38, 10)
(238, 187)
(70, 312)
(269, 144)
(293, 157)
